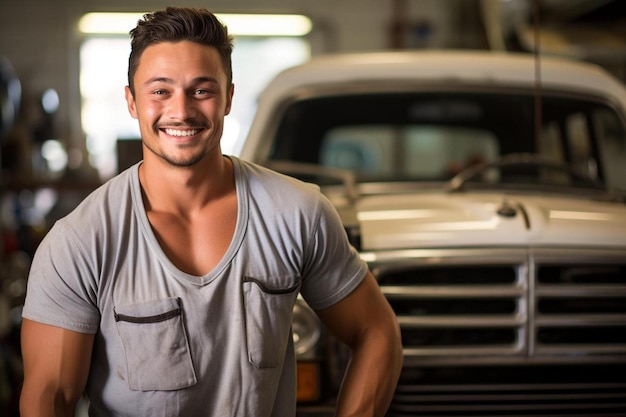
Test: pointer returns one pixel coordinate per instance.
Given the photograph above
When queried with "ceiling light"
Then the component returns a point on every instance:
(238, 24)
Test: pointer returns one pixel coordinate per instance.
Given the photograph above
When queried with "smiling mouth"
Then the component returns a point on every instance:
(181, 132)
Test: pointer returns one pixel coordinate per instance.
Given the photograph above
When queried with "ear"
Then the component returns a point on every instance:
(130, 101)
(229, 98)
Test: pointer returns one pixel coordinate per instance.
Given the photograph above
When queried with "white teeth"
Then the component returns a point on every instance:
(177, 132)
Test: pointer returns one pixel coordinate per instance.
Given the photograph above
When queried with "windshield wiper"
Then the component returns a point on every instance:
(457, 183)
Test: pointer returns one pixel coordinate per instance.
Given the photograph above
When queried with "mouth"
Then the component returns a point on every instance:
(181, 132)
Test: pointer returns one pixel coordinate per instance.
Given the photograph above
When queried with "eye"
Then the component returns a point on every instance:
(159, 92)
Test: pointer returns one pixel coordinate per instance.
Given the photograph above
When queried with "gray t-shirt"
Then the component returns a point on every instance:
(171, 344)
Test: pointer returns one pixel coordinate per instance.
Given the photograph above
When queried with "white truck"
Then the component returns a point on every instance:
(486, 192)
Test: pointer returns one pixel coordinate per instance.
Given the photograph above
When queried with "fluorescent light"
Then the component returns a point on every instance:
(266, 24)
(108, 23)
(238, 24)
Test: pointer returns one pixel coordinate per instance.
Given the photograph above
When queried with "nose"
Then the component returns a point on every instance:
(182, 107)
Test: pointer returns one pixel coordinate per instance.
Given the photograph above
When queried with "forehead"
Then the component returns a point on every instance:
(184, 57)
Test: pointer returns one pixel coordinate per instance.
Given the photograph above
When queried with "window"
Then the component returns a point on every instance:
(431, 136)
(612, 145)
(424, 152)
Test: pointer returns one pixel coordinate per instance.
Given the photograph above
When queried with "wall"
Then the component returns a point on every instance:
(41, 40)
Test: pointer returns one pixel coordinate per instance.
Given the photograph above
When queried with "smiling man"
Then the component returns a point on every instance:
(169, 290)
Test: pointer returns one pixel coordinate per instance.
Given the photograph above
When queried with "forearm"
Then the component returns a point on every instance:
(370, 378)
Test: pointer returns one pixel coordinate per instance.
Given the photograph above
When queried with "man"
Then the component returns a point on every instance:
(169, 290)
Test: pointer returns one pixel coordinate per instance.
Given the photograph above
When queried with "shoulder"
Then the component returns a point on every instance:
(264, 182)
(102, 206)
(81, 238)
(109, 194)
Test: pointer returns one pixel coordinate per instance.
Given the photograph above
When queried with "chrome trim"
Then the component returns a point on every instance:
(525, 291)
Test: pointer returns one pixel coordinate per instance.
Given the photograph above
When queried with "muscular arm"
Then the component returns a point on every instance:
(56, 365)
(366, 323)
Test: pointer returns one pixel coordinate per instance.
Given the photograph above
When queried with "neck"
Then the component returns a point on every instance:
(183, 190)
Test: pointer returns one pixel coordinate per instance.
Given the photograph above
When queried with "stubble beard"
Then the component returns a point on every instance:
(179, 162)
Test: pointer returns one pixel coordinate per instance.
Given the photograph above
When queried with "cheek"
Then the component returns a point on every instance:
(149, 111)
(219, 108)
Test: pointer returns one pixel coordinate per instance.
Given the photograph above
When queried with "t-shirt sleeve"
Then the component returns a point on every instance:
(61, 287)
(333, 268)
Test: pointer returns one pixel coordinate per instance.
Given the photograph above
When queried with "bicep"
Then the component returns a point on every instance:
(56, 361)
(361, 313)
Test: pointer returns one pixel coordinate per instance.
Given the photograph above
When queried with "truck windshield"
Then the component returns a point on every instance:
(433, 136)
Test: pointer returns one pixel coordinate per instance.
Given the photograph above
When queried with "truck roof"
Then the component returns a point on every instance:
(454, 66)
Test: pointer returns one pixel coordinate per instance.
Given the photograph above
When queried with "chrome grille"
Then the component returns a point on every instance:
(580, 307)
(509, 318)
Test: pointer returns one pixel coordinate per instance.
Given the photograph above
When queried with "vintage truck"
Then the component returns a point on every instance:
(486, 192)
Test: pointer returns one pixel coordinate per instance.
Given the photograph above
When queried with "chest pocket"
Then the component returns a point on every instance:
(155, 345)
(268, 320)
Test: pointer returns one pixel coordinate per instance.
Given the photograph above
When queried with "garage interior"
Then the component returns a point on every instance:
(40, 58)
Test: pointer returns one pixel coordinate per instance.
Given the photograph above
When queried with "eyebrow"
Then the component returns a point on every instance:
(195, 81)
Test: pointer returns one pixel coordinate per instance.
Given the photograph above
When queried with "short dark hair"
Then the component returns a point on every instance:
(174, 24)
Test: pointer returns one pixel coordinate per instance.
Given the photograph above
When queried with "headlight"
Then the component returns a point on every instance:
(306, 329)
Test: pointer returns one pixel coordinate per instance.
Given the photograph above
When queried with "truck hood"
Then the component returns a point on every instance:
(485, 219)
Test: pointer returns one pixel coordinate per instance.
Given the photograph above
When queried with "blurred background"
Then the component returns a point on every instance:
(64, 127)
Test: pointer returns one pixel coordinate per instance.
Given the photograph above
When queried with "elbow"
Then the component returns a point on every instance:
(386, 347)
(39, 402)
(395, 347)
